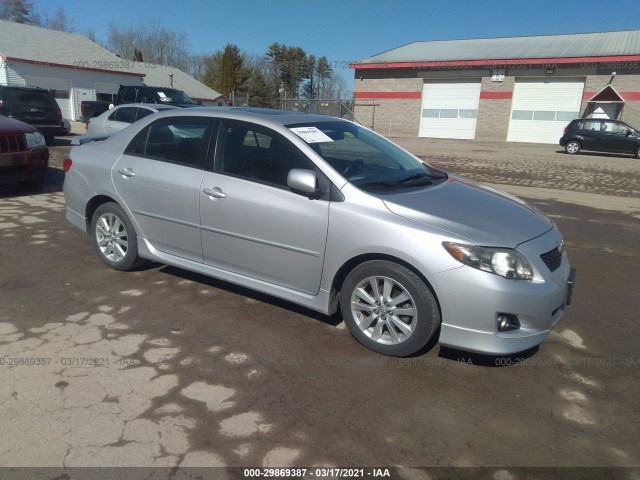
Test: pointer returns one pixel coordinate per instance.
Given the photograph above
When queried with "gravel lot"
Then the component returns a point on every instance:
(165, 368)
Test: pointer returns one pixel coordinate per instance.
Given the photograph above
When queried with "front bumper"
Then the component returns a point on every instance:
(471, 301)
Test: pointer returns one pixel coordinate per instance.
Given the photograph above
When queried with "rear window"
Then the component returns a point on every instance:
(28, 97)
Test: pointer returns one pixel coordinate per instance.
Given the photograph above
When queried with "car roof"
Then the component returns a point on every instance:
(25, 87)
(151, 106)
(259, 115)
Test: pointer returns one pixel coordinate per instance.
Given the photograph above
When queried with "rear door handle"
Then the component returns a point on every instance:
(126, 172)
(214, 192)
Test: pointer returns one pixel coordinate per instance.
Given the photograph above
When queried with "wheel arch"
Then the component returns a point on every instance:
(92, 206)
(348, 266)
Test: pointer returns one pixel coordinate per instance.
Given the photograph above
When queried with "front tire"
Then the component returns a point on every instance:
(114, 237)
(388, 308)
(572, 147)
(638, 152)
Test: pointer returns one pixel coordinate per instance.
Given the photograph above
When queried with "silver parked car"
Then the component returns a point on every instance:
(122, 116)
(324, 213)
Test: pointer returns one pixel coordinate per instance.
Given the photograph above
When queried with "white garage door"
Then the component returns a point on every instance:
(450, 109)
(59, 88)
(541, 108)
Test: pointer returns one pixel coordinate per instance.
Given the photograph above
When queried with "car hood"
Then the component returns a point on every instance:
(12, 126)
(480, 213)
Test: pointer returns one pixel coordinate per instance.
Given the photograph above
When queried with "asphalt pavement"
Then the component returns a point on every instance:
(163, 367)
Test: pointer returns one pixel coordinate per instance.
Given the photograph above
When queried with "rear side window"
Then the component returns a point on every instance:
(125, 115)
(592, 125)
(146, 95)
(143, 112)
(129, 95)
(174, 140)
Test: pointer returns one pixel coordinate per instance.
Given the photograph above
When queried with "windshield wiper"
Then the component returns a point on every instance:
(377, 183)
(415, 176)
(405, 181)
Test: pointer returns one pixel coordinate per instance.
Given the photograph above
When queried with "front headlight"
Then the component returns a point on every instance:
(35, 140)
(506, 262)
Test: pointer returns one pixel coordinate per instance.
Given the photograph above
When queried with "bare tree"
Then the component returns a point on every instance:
(57, 21)
(158, 44)
(19, 11)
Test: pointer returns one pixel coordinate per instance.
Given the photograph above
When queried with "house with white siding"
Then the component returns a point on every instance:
(75, 68)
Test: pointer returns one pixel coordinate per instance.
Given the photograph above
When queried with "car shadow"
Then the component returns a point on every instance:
(333, 320)
(598, 154)
(487, 360)
(53, 180)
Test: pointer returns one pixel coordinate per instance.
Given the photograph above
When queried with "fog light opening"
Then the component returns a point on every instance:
(507, 322)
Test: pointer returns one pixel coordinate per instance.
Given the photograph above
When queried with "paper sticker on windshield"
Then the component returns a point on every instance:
(162, 95)
(311, 134)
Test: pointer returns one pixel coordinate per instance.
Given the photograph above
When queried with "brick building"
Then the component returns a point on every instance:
(521, 89)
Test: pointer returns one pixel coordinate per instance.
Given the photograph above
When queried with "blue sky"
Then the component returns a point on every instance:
(347, 30)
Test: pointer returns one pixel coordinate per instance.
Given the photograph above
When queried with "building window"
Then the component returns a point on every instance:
(544, 115)
(449, 113)
(60, 94)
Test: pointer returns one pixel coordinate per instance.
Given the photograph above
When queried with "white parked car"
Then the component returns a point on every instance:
(122, 116)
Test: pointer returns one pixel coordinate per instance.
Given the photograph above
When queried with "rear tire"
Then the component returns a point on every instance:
(572, 147)
(638, 152)
(388, 308)
(114, 237)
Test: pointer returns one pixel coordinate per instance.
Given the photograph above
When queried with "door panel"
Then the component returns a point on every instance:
(252, 223)
(159, 178)
(264, 232)
(163, 198)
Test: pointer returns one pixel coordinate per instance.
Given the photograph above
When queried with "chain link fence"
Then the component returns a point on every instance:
(334, 108)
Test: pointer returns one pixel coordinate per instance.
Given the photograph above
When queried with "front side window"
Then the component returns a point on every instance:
(175, 140)
(366, 159)
(256, 154)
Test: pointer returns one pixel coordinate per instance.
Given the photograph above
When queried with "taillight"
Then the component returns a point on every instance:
(82, 109)
(59, 115)
(566, 130)
(66, 164)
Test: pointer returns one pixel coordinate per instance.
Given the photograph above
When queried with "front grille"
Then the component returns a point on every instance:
(13, 143)
(552, 259)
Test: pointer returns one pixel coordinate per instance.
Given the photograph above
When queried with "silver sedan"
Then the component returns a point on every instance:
(117, 118)
(326, 214)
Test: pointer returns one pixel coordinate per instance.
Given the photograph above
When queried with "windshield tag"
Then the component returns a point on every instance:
(162, 95)
(311, 134)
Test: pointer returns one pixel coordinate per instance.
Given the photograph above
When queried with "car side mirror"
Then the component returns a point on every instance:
(303, 181)
(629, 132)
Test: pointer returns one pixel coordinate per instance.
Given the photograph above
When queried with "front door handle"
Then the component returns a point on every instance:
(214, 192)
(126, 172)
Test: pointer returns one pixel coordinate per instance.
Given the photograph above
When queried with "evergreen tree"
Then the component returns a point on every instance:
(231, 73)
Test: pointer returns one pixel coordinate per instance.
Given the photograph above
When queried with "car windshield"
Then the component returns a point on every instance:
(169, 95)
(366, 159)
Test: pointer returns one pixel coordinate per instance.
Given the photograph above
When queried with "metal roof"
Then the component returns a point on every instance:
(32, 44)
(42, 46)
(544, 46)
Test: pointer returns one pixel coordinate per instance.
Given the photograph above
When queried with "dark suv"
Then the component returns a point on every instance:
(602, 135)
(32, 105)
